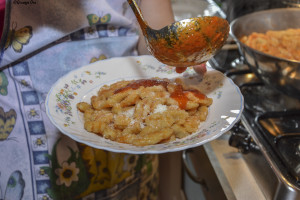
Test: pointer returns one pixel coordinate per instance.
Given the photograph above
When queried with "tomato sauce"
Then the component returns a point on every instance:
(179, 94)
(143, 82)
(179, 70)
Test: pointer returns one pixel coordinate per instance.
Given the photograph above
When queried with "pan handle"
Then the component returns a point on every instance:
(189, 171)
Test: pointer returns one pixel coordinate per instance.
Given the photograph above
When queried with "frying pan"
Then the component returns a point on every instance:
(281, 74)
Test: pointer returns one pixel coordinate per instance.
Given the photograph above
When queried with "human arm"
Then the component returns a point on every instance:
(158, 14)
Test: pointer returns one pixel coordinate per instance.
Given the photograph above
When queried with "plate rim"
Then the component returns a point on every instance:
(146, 151)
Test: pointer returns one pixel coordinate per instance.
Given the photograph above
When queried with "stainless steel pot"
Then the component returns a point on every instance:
(281, 74)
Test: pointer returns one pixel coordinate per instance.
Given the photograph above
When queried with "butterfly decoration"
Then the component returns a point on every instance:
(3, 84)
(7, 123)
(95, 19)
(101, 57)
(17, 38)
(15, 187)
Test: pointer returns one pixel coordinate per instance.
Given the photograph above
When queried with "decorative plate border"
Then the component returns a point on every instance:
(81, 84)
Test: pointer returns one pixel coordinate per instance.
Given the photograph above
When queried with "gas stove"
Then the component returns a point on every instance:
(268, 134)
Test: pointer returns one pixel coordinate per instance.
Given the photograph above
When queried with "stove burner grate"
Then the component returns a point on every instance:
(282, 131)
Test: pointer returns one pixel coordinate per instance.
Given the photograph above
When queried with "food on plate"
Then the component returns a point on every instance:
(145, 112)
(282, 44)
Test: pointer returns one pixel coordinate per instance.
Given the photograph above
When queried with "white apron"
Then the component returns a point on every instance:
(42, 41)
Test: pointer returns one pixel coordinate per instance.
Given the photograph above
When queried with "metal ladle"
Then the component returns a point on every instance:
(184, 43)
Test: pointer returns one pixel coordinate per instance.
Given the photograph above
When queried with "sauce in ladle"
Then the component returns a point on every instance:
(184, 43)
(191, 43)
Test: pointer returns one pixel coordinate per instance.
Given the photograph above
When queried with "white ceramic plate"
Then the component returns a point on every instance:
(80, 84)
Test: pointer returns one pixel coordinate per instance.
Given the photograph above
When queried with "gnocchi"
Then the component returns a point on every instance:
(145, 112)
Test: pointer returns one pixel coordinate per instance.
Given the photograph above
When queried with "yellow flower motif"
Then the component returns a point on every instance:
(67, 174)
(75, 93)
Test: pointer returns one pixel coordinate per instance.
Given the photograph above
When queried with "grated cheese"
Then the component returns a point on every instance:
(160, 108)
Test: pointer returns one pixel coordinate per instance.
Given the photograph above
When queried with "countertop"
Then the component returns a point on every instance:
(233, 173)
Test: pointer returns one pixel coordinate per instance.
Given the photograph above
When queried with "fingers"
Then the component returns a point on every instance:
(200, 69)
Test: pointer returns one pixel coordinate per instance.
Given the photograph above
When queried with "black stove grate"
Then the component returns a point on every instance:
(269, 117)
(282, 131)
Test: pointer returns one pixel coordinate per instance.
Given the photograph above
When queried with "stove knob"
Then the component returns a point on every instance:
(242, 142)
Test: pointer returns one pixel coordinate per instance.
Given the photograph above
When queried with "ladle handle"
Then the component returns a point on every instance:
(136, 10)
